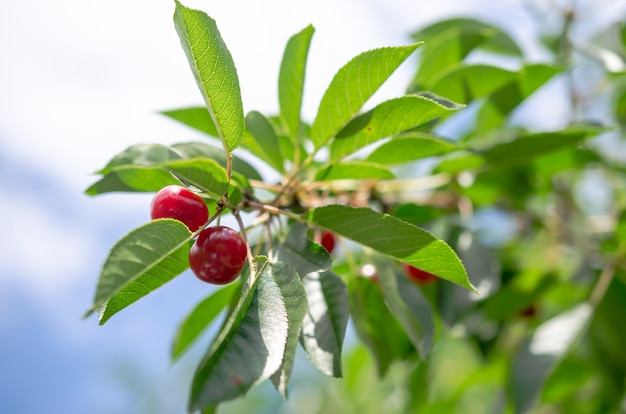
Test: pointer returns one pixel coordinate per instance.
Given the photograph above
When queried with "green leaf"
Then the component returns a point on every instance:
(264, 143)
(294, 295)
(214, 71)
(449, 42)
(141, 154)
(131, 178)
(460, 161)
(417, 214)
(156, 154)
(197, 117)
(376, 326)
(142, 261)
(446, 50)
(301, 253)
(410, 147)
(395, 238)
(608, 339)
(502, 102)
(386, 119)
(566, 159)
(291, 80)
(620, 107)
(249, 348)
(542, 351)
(513, 298)
(482, 265)
(464, 83)
(202, 173)
(525, 148)
(201, 317)
(354, 170)
(352, 86)
(202, 150)
(407, 303)
(496, 40)
(324, 325)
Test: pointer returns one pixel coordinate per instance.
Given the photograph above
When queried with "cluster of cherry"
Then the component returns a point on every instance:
(219, 253)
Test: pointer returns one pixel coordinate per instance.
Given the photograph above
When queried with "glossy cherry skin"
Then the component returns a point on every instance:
(418, 276)
(218, 255)
(328, 241)
(181, 204)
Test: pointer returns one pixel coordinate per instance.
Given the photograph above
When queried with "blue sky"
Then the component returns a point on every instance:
(81, 81)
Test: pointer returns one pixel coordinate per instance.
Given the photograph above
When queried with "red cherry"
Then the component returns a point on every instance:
(529, 311)
(328, 241)
(218, 255)
(418, 276)
(181, 204)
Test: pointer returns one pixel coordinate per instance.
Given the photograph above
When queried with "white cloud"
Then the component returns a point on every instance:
(81, 81)
(41, 252)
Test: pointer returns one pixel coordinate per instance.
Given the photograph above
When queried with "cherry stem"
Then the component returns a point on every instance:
(296, 172)
(218, 212)
(268, 208)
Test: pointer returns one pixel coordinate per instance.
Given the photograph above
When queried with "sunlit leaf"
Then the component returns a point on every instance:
(201, 150)
(496, 40)
(132, 178)
(296, 305)
(143, 155)
(446, 49)
(460, 161)
(502, 102)
(262, 140)
(449, 42)
(527, 147)
(464, 83)
(291, 80)
(197, 117)
(142, 261)
(201, 317)
(389, 118)
(249, 348)
(354, 170)
(214, 71)
(352, 86)
(324, 325)
(395, 238)
(410, 147)
(202, 173)
(301, 253)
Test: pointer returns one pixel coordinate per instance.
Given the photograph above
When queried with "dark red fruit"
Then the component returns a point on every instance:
(418, 276)
(328, 241)
(179, 203)
(218, 255)
(529, 311)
